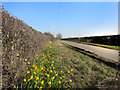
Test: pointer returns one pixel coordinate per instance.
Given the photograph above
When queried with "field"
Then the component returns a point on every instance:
(61, 67)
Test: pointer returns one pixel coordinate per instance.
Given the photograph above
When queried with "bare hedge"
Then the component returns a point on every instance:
(19, 38)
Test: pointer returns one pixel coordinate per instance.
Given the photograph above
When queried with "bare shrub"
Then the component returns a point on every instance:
(19, 38)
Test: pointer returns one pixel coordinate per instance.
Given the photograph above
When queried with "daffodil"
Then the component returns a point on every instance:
(46, 60)
(49, 83)
(42, 82)
(61, 71)
(28, 63)
(25, 59)
(40, 88)
(51, 71)
(53, 67)
(17, 54)
(45, 73)
(31, 77)
(33, 65)
(24, 80)
(60, 77)
(44, 57)
(28, 80)
(28, 71)
(68, 71)
(48, 75)
(71, 70)
(37, 78)
(34, 72)
(14, 86)
(52, 61)
(50, 86)
(56, 74)
(70, 81)
(35, 82)
(53, 77)
(59, 82)
(42, 68)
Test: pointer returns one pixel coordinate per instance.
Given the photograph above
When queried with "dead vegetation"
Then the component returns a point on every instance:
(20, 42)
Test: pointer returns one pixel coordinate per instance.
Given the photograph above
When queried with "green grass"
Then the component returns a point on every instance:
(61, 67)
(87, 72)
(46, 71)
(100, 45)
(105, 46)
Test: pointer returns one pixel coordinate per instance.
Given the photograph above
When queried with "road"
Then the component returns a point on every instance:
(105, 53)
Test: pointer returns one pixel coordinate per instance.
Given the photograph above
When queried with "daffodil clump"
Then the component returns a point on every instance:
(45, 71)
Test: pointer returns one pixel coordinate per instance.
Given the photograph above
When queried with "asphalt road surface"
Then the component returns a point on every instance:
(105, 53)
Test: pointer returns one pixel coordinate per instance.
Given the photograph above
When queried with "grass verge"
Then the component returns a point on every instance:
(100, 45)
(46, 71)
(87, 72)
(62, 67)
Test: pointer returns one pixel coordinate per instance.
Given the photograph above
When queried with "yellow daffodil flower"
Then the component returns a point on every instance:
(42, 82)
(24, 80)
(25, 59)
(53, 67)
(35, 82)
(56, 74)
(31, 77)
(48, 75)
(34, 72)
(70, 81)
(28, 71)
(17, 54)
(28, 80)
(28, 63)
(68, 71)
(42, 68)
(14, 86)
(33, 65)
(59, 82)
(51, 71)
(37, 78)
(40, 88)
(49, 83)
(53, 77)
(52, 61)
(71, 70)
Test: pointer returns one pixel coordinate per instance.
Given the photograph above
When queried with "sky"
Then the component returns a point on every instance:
(71, 19)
